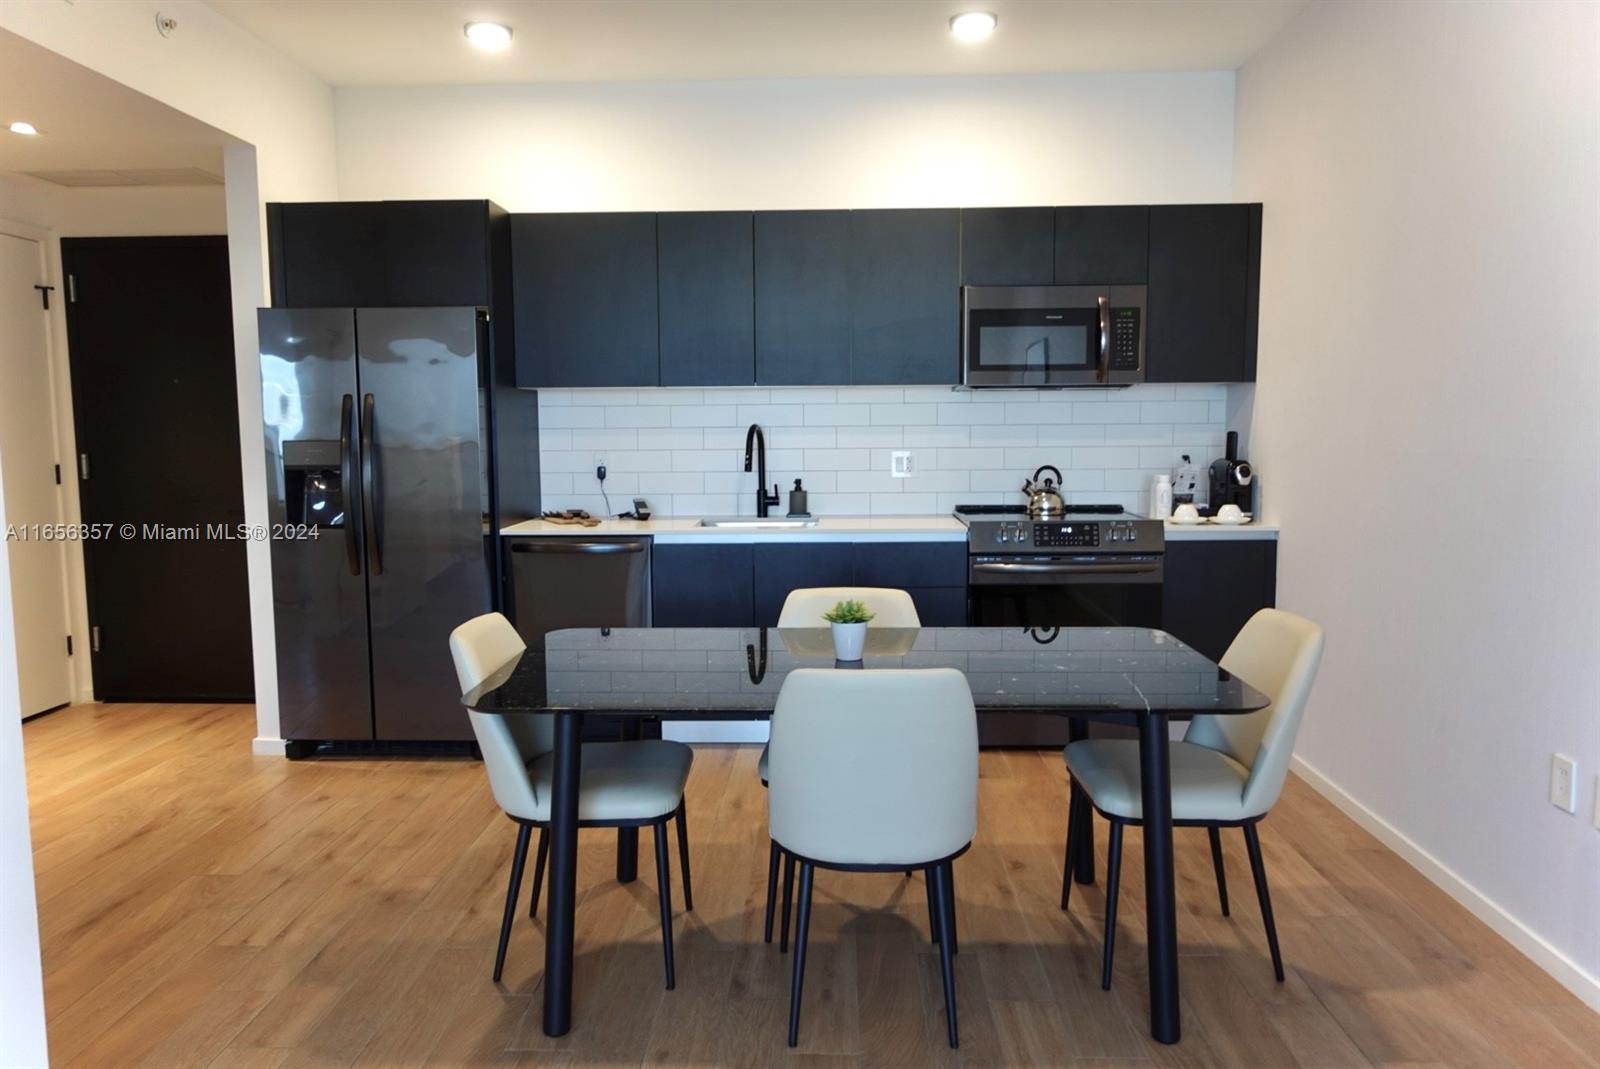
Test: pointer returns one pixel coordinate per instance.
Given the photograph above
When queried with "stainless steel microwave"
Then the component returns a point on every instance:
(1052, 336)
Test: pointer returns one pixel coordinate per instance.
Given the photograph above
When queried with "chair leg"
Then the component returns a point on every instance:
(1113, 881)
(538, 871)
(950, 890)
(802, 935)
(1074, 830)
(664, 882)
(772, 889)
(788, 897)
(683, 855)
(931, 887)
(942, 879)
(1258, 868)
(1216, 863)
(518, 860)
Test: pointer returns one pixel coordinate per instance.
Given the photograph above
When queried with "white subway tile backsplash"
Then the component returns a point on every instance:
(683, 449)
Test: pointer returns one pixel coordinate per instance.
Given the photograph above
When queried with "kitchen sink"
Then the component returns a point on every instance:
(757, 522)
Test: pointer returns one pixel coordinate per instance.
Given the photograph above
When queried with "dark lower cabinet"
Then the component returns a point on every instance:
(701, 586)
(1204, 283)
(1213, 586)
(1007, 246)
(802, 298)
(1100, 245)
(585, 299)
(905, 296)
(706, 298)
(784, 566)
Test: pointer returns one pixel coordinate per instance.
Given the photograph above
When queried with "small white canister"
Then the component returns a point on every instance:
(1161, 497)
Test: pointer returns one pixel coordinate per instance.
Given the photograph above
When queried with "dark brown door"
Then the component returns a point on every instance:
(150, 338)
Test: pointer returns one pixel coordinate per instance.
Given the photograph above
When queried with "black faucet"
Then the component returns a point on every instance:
(753, 438)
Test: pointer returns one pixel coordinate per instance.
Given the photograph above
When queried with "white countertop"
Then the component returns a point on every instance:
(944, 528)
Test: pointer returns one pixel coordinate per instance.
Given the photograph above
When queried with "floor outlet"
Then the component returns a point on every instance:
(1563, 783)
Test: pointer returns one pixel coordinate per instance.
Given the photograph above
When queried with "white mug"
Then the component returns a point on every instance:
(1230, 513)
(1186, 514)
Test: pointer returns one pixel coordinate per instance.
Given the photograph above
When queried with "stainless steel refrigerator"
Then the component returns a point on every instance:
(378, 430)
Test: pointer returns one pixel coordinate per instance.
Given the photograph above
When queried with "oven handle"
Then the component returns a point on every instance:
(1011, 568)
(1101, 368)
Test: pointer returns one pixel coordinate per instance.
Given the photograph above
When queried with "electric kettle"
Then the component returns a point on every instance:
(1044, 498)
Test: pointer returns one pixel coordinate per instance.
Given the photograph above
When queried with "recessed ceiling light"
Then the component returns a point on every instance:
(26, 129)
(972, 26)
(489, 36)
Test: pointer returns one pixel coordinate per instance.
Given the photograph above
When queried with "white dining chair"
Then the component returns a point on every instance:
(621, 784)
(875, 771)
(1226, 773)
(804, 608)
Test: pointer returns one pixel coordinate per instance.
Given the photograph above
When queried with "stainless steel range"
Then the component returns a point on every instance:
(1094, 566)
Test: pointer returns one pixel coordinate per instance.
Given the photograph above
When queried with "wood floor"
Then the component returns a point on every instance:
(201, 907)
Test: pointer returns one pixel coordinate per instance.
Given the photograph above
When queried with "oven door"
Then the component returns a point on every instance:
(1066, 590)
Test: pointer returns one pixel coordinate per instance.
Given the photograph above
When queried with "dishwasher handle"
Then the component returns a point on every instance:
(562, 545)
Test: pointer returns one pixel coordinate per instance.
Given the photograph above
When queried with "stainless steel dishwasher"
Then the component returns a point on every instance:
(576, 581)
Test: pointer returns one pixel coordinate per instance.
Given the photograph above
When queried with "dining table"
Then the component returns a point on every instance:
(1137, 676)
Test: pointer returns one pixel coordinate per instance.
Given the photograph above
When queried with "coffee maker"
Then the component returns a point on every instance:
(1233, 481)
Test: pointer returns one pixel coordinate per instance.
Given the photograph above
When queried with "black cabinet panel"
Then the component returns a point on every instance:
(585, 299)
(1007, 246)
(910, 564)
(784, 566)
(905, 271)
(802, 298)
(379, 253)
(1098, 245)
(701, 586)
(1213, 586)
(940, 607)
(1202, 279)
(704, 261)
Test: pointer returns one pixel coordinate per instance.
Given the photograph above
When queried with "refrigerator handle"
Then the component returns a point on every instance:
(370, 497)
(347, 479)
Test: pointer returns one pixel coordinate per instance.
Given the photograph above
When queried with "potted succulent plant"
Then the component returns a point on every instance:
(849, 622)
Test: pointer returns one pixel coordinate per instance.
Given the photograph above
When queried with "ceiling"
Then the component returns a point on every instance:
(95, 131)
(420, 42)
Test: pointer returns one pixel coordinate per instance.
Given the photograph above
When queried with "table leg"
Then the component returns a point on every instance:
(1161, 909)
(628, 838)
(563, 896)
(1083, 872)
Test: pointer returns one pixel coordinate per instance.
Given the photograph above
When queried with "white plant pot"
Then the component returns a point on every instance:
(848, 641)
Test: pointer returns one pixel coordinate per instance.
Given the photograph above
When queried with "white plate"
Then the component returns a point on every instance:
(1229, 523)
(1196, 522)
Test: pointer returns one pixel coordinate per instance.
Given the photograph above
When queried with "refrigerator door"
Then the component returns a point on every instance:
(319, 585)
(424, 509)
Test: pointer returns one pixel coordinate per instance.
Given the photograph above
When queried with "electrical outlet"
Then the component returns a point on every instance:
(1563, 783)
(902, 465)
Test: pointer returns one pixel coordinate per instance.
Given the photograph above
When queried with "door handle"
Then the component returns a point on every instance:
(1100, 370)
(562, 545)
(347, 481)
(998, 568)
(371, 498)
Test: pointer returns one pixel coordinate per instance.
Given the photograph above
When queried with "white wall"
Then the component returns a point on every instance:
(859, 143)
(683, 450)
(1426, 415)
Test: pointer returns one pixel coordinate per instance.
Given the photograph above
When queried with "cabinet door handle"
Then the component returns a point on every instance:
(348, 489)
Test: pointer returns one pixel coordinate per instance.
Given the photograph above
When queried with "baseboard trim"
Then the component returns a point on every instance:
(264, 747)
(1568, 973)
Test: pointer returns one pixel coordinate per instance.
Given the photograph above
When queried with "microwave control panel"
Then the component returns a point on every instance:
(1124, 355)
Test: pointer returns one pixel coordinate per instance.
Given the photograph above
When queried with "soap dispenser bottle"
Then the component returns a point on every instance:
(797, 500)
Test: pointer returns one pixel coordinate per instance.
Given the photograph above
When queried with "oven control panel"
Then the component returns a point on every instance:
(1131, 535)
(1050, 535)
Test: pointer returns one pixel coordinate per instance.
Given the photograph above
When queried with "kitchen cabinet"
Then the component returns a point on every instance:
(802, 298)
(585, 299)
(905, 272)
(1213, 585)
(1204, 279)
(390, 254)
(933, 573)
(701, 586)
(707, 297)
(1007, 246)
(784, 566)
(1102, 244)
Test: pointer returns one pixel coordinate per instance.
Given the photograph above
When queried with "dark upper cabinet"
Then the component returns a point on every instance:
(784, 566)
(379, 253)
(802, 298)
(1099, 245)
(905, 274)
(701, 586)
(706, 286)
(1007, 246)
(1213, 585)
(1204, 282)
(585, 302)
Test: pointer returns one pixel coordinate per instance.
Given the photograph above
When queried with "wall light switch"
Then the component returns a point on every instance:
(902, 465)
(1563, 783)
